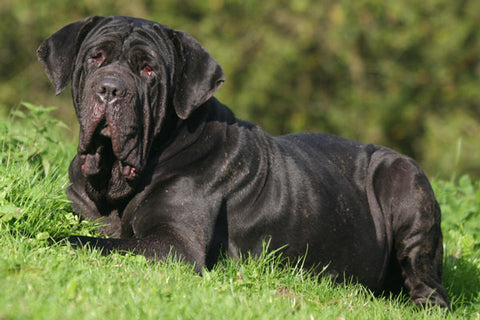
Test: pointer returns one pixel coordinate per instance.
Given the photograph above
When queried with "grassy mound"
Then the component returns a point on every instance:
(44, 281)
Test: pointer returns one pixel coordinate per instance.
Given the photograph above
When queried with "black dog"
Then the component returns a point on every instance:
(169, 167)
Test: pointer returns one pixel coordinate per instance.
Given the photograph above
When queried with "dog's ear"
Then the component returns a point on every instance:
(198, 75)
(58, 52)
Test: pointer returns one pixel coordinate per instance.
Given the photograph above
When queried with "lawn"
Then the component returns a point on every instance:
(45, 281)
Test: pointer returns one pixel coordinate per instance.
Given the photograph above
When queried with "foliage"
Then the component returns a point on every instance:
(405, 74)
(460, 203)
(50, 281)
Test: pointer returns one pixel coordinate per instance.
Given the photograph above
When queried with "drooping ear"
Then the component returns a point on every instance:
(58, 52)
(197, 77)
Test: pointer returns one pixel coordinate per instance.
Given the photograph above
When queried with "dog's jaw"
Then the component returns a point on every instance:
(112, 167)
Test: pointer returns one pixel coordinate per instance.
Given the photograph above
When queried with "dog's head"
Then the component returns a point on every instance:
(126, 73)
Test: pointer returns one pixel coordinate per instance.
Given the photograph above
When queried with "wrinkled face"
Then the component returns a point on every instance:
(122, 78)
(130, 77)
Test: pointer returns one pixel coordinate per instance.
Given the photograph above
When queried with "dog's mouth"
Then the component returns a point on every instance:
(100, 155)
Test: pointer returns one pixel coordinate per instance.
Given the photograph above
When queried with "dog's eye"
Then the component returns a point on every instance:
(97, 57)
(148, 70)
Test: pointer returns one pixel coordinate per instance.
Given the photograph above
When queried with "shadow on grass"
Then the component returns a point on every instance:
(462, 280)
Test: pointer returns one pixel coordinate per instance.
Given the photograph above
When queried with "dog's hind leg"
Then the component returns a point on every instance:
(407, 201)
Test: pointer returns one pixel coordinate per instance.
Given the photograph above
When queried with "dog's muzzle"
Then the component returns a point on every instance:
(110, 135)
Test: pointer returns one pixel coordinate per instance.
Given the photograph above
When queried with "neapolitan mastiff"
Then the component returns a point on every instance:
(169, 167)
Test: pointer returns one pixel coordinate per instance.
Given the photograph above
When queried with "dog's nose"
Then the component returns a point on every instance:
(110, 89)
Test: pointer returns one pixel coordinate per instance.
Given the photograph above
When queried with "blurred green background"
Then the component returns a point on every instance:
(405, 74)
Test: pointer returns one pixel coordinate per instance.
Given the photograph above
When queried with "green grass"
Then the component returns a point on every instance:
(43, 281)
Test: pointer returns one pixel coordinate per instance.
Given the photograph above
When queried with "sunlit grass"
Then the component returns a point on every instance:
(53, 281)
